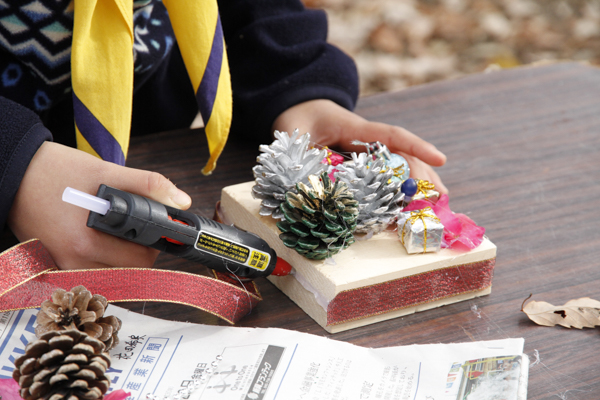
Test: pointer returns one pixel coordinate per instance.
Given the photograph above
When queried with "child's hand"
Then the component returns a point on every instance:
(39, 212)
(332, 125)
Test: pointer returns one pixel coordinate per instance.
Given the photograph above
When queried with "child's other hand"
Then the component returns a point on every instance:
(39, 212)
(332, 125)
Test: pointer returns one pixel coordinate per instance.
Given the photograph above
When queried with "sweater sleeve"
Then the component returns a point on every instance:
(278, 58)
(21, 134)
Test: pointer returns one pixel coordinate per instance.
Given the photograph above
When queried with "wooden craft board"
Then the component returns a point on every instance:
(368, 262)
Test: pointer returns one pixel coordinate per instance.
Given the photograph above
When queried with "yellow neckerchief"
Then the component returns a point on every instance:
(102, 73)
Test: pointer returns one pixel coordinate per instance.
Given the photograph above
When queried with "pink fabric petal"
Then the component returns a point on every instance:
(117, 395)
(9, 389)
(336, 159)
(331, 174)
(418, 205)
(333, 159)
(471, 235)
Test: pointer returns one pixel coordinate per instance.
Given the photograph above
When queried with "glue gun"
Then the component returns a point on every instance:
(140, 220)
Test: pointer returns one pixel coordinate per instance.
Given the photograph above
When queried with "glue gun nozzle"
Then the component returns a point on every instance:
(282, 268)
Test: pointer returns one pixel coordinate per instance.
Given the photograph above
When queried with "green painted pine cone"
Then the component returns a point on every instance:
(319, 221)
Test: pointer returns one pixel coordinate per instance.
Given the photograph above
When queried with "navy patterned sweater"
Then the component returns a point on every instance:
(277, 52)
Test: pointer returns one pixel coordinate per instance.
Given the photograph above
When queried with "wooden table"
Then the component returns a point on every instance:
(523, 149)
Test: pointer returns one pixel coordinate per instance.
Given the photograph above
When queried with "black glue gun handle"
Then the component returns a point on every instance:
(221, 247)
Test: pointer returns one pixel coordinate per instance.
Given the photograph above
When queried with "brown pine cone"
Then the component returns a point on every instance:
(78, 309)
(67, 365)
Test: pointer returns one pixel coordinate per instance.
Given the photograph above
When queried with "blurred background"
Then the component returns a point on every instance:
(399, 43)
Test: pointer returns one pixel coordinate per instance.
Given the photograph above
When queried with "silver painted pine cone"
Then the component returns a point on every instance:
(377, 195)
(283, 164)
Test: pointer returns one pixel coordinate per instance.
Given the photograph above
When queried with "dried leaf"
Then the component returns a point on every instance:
(578, 313)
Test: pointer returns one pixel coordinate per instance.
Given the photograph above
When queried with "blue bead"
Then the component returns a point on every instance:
(409, 187)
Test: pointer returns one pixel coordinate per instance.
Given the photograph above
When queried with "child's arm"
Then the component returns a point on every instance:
(332, 125)
(33, 174)
(39, 212)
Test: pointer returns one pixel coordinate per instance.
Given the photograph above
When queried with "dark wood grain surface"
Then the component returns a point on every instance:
(523, 149)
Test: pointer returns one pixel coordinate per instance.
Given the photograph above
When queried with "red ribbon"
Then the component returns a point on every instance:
(28, 276)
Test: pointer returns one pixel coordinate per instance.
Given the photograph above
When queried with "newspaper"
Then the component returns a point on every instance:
(158, 359)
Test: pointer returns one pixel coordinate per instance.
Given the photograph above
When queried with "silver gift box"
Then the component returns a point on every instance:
(426, 191)
(431, 195)
(420, 231)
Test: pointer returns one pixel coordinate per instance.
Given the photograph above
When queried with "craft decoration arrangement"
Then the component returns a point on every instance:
(322, 202)
(70, 358)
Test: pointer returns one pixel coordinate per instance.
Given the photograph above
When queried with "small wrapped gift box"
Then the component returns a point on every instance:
(426, 191)
(420, 231)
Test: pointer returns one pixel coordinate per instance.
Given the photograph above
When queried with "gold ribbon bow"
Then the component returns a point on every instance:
(426, 212)
(398, 172)
(424, 186)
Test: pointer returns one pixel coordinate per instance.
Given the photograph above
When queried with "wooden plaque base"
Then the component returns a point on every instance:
(372, 280)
